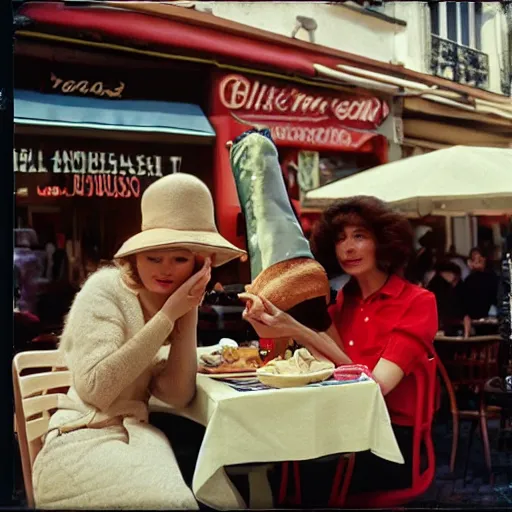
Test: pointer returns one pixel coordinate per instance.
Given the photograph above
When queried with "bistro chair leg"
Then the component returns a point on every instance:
(474, 424)
(485, 440)
(455, 441)
(338, 477)
(346, 482)
(283, 488)
(296, 475)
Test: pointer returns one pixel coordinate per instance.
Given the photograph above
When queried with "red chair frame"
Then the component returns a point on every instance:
(426, 382)
(425, 375)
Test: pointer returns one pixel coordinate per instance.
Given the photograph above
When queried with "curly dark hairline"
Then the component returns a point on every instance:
(391, 230)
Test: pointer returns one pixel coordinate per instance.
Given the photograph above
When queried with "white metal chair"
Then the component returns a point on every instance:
(39, 378)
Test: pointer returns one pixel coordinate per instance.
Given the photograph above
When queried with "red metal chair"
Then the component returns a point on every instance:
(426, 390)
(426, 379)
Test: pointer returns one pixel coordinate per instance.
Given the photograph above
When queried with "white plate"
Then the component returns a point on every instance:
(284, 380)
(240, 375)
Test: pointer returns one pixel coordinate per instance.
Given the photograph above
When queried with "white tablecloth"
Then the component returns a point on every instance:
(281, 425)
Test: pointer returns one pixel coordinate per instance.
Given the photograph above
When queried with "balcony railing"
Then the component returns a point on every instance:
(459, 63)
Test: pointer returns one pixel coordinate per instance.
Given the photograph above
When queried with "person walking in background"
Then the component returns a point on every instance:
(459, 260)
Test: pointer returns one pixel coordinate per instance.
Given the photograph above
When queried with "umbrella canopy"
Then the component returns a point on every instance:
(455, 181)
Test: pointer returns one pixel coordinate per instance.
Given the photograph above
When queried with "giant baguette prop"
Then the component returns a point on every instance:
(283, 269)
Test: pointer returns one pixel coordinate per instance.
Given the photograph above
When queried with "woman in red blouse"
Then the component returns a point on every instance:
(379, 319)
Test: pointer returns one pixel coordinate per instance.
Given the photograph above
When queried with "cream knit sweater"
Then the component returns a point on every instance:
(112, 353)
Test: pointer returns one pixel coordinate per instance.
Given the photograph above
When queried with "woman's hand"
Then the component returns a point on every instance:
(189, 295)
(268, 320)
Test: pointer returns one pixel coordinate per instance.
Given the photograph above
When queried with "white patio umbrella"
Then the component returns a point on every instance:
(461, 180)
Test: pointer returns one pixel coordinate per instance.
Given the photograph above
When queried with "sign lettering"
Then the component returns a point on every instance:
(85, 87)
(266, 102)
(296, 135)
(99, 186)
(28, 160)
(93, 173)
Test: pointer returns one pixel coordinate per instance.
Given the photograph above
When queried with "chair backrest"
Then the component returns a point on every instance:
(39, 378)
(469, 362)
(426, 381)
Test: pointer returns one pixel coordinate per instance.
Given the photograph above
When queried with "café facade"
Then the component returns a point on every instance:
(88, 142)
(331, 113)
(94, 128)
(79, 175)
(322, 134)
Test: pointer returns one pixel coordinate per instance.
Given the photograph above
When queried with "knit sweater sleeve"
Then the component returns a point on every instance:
(101, 357)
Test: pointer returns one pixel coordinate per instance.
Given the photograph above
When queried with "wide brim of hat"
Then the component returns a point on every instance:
(200, 242)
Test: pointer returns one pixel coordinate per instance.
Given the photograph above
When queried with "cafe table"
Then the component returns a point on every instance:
(273, 425)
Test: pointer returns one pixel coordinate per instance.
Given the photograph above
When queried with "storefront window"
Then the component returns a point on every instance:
(89, 189)
(336, 166)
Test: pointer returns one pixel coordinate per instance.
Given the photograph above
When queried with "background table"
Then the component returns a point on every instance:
(280, 425)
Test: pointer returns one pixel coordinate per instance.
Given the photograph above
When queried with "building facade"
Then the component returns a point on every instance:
(343, 88)
(466, 43)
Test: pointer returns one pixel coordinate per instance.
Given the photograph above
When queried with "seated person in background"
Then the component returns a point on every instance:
(480, 289)
(379, 320)
(459, 260)
(447, 287)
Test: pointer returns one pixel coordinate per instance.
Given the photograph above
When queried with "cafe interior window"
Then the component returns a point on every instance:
(336, 166)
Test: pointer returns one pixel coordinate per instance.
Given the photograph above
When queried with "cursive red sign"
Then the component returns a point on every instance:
(99, 185)
(327, 137)
(255, 99)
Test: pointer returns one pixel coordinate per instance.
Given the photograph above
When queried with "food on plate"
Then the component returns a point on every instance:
(212, 359)
(301, 369)
(231, 354)
(230, 360)
(302, 362)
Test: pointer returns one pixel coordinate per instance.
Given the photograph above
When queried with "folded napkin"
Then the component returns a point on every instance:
(352, 372)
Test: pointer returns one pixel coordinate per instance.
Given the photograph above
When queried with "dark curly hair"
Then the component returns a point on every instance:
(392, 232)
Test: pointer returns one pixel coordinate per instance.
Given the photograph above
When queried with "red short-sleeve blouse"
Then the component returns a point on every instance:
(397, 323)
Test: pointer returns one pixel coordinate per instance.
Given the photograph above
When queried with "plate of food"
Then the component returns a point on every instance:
(229, 361)
(299, 370)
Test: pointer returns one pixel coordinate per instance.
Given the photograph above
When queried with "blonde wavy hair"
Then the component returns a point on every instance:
(129, 272)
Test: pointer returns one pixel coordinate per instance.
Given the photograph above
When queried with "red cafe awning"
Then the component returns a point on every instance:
(163, 27)
(159, 33)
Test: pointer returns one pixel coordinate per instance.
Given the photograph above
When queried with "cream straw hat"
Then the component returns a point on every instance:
(177, 211)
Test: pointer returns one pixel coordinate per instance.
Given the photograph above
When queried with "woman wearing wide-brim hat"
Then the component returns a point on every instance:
(101, 452)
